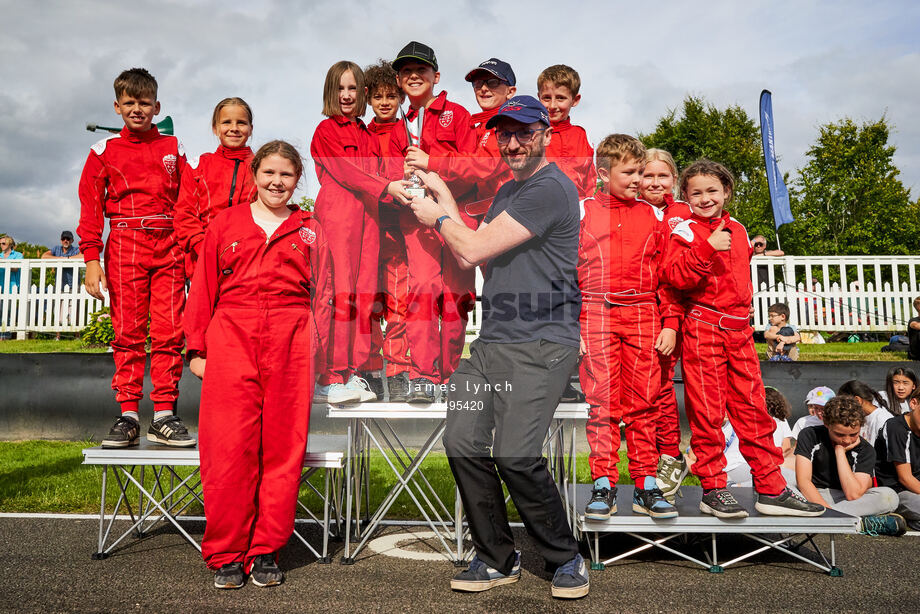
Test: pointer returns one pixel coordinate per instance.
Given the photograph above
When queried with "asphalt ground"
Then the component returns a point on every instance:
(48, 567)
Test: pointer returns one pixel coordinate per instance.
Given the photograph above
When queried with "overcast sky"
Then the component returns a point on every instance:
(822, 61)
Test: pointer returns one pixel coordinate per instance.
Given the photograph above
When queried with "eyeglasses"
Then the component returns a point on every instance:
(523, 136)
(491, 83)
(760, 245)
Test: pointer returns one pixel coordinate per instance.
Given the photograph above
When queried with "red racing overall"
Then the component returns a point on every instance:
(570, 150)
(212, 183)
(133, 179)
(392, 304)
(254, 310)
(668, 427)
(441, 294)
(620, 249)
(720, 365)
(347, 159)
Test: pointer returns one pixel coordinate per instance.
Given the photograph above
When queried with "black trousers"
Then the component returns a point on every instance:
(501, 402)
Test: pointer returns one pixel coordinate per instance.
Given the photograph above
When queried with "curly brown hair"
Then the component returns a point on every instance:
(777, 405)
(845, 410)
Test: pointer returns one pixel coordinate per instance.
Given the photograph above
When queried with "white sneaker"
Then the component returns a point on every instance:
(359, 386)
(336, 394)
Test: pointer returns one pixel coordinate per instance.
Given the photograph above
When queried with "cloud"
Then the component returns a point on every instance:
(823, 61)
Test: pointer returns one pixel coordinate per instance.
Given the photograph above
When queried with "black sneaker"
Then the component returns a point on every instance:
(572, 395)
(571, 579)
(651, 502)
(265, 571)
(787, 503)
(480, 577)
(884, 524)
(230, 576)
(125, 432)
(603, 503)
(721, 503)
(170, 431)
(398, 387)
(421, 390)
(375, 383)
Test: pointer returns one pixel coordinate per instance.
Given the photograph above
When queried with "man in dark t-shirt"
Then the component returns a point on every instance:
(502, 398)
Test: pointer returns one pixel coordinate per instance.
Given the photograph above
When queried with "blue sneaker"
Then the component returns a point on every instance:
(884, 524)
(336, 394)
(651, 502)
(571, 579)
(480, 577)
(603, 502)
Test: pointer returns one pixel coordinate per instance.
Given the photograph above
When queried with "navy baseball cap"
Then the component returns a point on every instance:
(499, 68)
(415, 51)
(67, 235)
(525, 109)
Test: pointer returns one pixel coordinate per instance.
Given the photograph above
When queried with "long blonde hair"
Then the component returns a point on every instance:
(654, 154)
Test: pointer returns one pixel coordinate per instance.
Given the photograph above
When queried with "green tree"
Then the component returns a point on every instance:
(849, 199)
(699, 130)
(305, 204)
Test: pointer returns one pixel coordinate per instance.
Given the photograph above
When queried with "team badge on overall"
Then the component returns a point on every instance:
(445, 118)
(485, 138)
(307, 235)
(169, 163)
(674, 221)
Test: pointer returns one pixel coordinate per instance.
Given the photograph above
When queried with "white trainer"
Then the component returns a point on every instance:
(360, 387)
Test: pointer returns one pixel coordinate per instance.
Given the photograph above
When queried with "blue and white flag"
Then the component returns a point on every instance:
(779, 195)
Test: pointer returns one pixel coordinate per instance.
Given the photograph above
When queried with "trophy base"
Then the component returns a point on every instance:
(416, 192)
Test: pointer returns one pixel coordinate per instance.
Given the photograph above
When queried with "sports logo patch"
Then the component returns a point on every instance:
(485, 138)
(674, 221)
(169, 163)
(307, 235)
(446, 118)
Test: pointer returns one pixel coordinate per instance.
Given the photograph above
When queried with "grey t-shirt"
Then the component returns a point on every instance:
(531, 292)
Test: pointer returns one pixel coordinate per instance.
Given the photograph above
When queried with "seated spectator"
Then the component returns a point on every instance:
(900, 383)
(834, 467)
(913, 333)
(780, 335)
(7, 243)
(814, 401)
(873, 405)
(779, 409)
(68, 251)
(898, 460)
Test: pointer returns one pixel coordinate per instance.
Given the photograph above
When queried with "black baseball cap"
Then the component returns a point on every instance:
(67, 235)
(418, 52)
(525, 109)
(499, 68)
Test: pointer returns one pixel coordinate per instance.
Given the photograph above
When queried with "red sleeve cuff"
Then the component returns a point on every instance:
(90, 253)
(672, 322)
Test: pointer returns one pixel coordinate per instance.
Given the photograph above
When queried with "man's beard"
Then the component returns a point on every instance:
(528, 164)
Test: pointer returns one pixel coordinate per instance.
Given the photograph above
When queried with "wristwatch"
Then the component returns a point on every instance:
(437, 225)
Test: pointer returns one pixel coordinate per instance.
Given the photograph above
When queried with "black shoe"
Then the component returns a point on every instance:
(230, 576)
(572, 395)
(170, 431)
(374, 383)
(603, 503)
(571, 580)
(787, 503)
(652, 503)
(421, 390)
(125, 432)
(398, 387)
(478, 576)
(721, 503)
(265, 571)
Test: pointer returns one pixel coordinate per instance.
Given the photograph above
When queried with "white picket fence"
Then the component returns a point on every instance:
(826, 293)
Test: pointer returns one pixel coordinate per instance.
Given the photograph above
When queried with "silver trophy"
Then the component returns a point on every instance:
(416, 189)
(414, 134)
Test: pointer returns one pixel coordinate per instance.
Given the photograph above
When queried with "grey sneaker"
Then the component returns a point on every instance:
(480, 577)
(375, 383)
(265, 571)
(230, 576)
(170, 431)
(571, 579)
(671, 473)
(422, 390)
(787, 503)
(124, 433)
(721, 503)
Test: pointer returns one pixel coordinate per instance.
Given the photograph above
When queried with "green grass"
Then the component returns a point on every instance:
(48, 346)
(47, 476)
(865, 350)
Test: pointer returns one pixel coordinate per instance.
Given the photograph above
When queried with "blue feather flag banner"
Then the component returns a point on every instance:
(779, 195)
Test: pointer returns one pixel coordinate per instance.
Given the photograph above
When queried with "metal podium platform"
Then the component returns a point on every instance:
(171, 493)
(699, 532)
